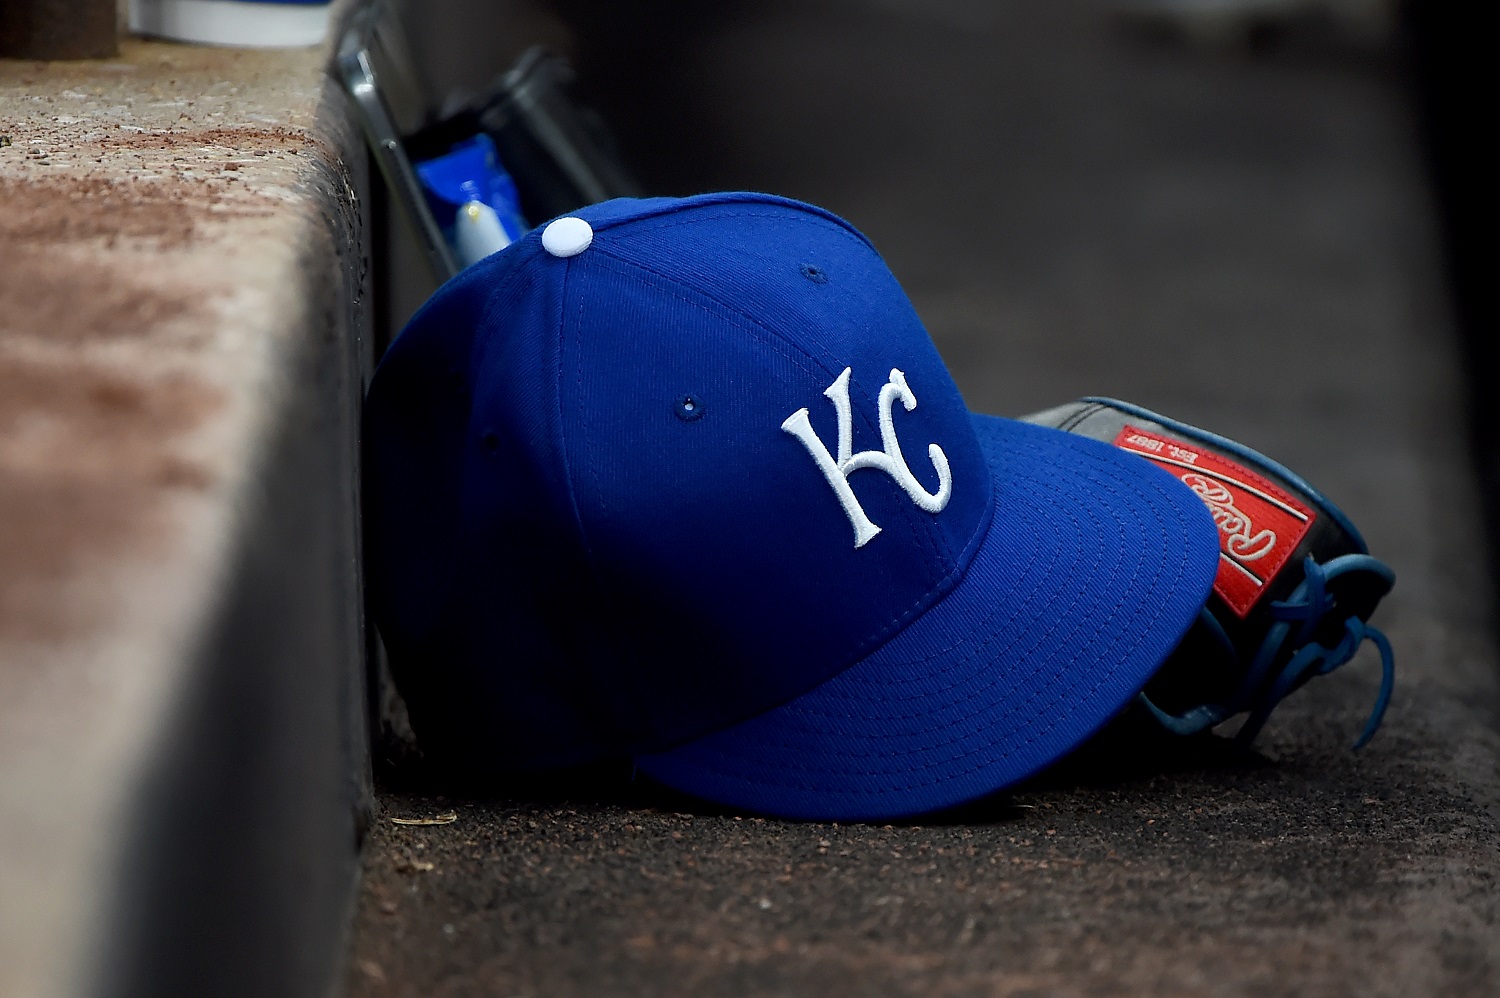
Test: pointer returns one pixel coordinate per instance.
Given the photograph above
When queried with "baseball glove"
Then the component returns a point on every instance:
(1296, 584)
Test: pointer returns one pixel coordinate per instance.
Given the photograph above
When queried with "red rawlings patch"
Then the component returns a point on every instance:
(1260, 525)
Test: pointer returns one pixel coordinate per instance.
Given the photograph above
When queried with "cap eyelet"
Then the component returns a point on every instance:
(490, 441)
(815, 274)
(688, 408)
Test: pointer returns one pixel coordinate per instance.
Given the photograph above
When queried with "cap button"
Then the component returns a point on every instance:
(567, 236)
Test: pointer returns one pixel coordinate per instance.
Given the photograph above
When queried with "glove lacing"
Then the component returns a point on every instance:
(1304, 610)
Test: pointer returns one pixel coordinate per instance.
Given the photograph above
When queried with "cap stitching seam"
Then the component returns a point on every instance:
(933, 541)
(788, 764)
(791, 765)
(602, 592)
(653, 218)
(782, 345)
(801, 358)
(842, 230)
(681, 292)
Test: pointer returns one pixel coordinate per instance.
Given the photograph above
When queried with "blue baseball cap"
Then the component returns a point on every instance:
(685, 480)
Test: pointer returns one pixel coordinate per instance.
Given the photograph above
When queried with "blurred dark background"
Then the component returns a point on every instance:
(1073, 150)
(1074, 185)
(1266, 217)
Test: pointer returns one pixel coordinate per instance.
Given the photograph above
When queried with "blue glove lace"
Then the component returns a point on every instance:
(1302, 612)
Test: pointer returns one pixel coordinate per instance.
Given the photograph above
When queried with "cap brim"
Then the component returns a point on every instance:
(1095, 564)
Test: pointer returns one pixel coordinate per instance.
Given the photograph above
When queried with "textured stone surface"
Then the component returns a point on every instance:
(180, 272)
(1244, 241)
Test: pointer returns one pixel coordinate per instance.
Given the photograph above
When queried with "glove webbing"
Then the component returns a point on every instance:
(1248, 659)
(1307, 607)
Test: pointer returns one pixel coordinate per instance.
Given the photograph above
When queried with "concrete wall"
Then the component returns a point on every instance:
(183, 345)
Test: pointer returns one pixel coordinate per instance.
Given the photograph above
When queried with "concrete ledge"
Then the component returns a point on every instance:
(183, 344)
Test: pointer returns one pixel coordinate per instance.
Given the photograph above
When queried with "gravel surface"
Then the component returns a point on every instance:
(1302, 869)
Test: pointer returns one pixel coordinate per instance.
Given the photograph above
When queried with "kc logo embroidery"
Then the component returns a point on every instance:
(890, 460)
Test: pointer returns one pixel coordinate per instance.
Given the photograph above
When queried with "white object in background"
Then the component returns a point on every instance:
(241, 23)
(477, 232)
